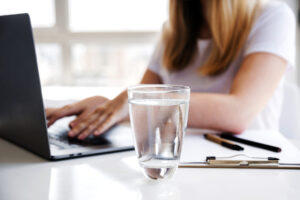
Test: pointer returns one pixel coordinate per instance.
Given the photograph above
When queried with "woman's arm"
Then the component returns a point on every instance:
(252, 87)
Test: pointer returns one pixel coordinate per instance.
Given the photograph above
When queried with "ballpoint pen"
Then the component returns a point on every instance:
(223, 142)
(229, 136)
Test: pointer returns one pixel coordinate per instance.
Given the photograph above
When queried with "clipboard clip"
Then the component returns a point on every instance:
(230, 161)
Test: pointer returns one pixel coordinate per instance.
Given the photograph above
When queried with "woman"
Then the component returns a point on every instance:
(232, 53)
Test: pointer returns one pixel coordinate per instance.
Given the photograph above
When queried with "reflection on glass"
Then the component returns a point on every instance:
(117, 15)
(41, 12)
(107, 65)
(49, 63)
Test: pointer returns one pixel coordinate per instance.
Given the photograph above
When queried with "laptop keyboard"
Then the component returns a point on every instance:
(58, 137)
(61, 142)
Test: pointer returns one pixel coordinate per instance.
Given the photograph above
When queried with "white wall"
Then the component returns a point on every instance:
(294, 76)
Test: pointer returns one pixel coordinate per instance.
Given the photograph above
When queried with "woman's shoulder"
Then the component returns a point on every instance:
(276, 10)
(275, 23)
(276, 5)
(273, 31)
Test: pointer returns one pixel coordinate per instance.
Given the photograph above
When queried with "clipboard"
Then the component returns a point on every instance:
(200, 153)
(227, 162)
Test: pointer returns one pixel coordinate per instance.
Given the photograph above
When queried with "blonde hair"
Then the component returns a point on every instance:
(230, 22)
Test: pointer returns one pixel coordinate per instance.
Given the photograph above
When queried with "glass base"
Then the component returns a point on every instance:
(159, 173)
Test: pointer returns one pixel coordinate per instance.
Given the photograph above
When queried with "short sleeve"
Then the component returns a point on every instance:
(274, 32)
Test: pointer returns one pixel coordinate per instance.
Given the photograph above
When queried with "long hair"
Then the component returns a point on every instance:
(230, 22)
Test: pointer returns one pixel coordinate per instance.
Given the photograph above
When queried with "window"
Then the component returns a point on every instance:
(99, 63)
(92, 42)
(117, 15)
(50, 62)
(41, 12)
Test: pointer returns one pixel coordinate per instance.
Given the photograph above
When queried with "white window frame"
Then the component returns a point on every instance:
(61, 35)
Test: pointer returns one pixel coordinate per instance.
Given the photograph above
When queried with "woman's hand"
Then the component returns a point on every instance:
(81, 109)
(95, 115)
(101, 119)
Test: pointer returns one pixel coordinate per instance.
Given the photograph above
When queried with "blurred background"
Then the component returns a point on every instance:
(98, 42)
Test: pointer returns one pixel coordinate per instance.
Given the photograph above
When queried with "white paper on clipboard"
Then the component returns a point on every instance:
(196, 148)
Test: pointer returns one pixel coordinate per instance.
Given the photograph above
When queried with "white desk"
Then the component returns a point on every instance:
(116, 176)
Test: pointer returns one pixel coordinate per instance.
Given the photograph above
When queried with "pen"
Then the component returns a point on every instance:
(251, 143)
(224, 143)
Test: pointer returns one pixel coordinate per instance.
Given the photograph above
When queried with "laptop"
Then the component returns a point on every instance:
(22, 116)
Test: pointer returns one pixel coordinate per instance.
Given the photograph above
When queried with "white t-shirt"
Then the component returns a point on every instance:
(273, 32)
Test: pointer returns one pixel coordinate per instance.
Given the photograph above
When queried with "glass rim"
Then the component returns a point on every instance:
(171, 88)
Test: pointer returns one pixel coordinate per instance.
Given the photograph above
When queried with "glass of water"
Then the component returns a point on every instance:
(158, 116)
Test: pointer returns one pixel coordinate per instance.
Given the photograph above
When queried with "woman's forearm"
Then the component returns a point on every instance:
(222, 112)
(252, 87)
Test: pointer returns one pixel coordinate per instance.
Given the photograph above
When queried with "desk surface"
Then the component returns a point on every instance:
(116, 176)
(26, 176)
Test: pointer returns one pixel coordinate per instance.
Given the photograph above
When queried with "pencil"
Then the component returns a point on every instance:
(223, 142)
(229, 136)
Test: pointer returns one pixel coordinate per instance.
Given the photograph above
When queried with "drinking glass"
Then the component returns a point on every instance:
(158, 116)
